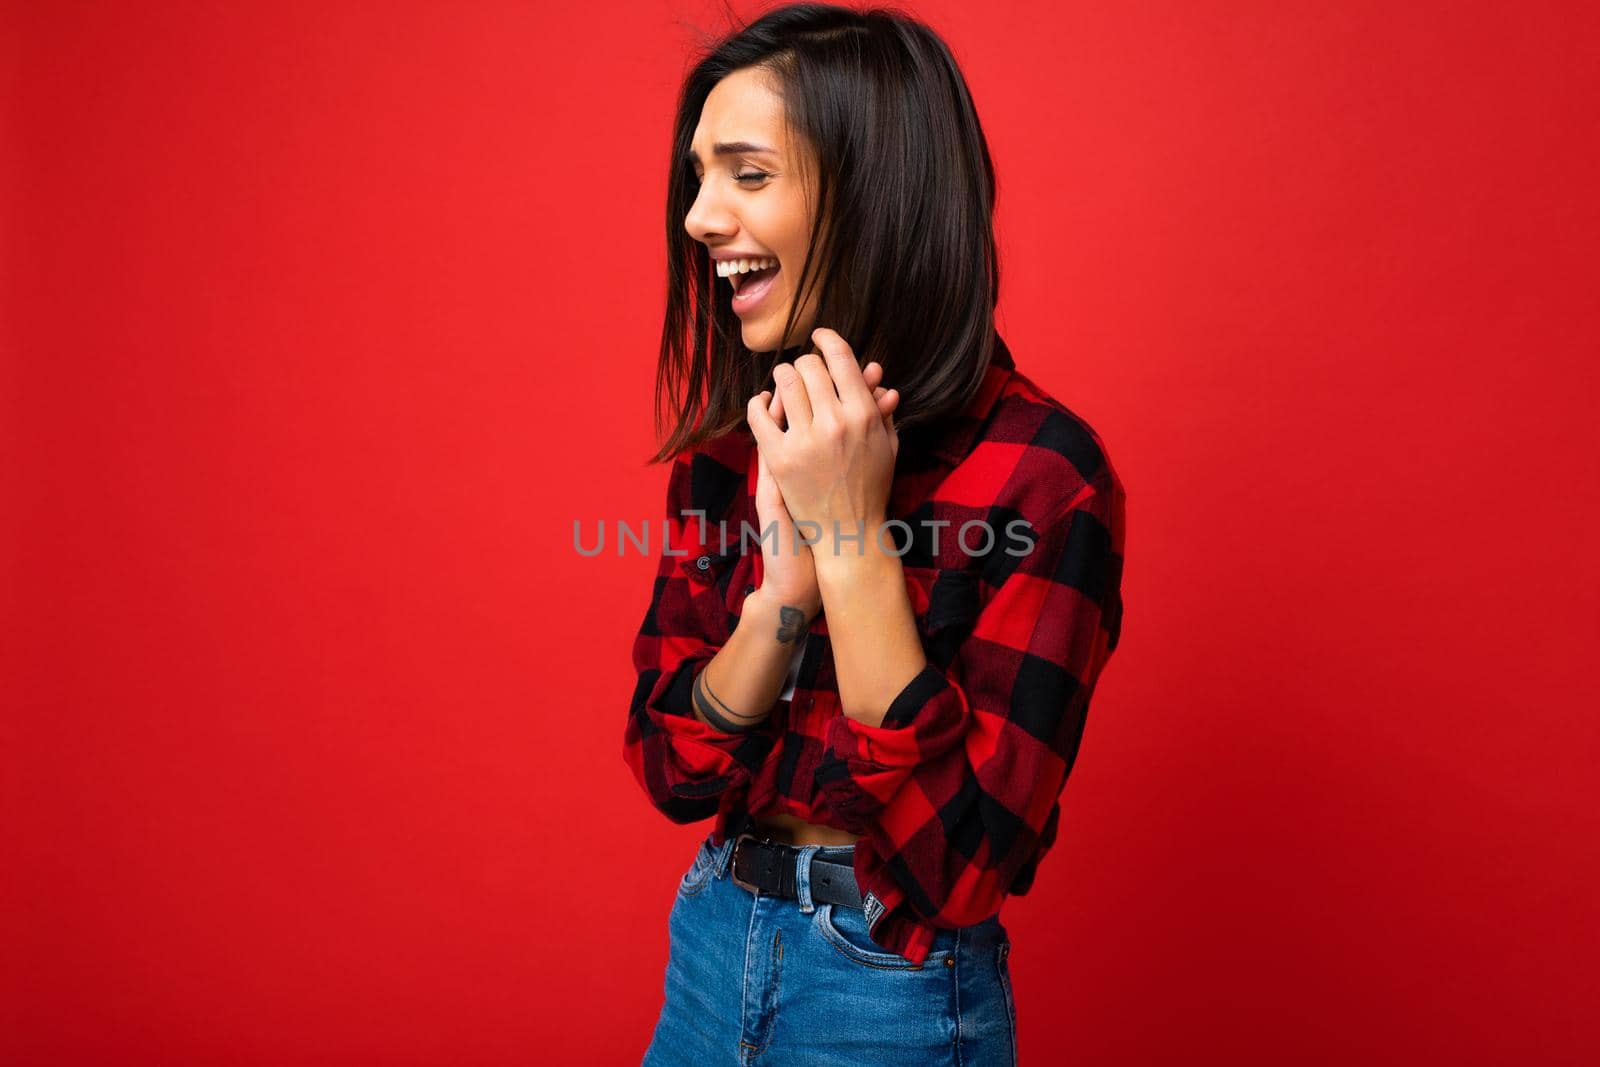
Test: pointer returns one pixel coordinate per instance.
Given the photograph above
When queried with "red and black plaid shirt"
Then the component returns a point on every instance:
(956, 794)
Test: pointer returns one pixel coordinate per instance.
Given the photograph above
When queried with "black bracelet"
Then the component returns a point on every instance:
(703, 698)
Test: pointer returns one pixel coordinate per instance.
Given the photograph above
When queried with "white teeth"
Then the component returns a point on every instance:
(728, 268)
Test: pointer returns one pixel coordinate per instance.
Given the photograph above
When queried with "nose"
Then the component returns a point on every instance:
(708, 218)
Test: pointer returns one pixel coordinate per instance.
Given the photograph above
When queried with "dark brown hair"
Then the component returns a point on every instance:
(902, 250)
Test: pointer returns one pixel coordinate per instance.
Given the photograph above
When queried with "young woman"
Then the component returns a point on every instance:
(894, 566)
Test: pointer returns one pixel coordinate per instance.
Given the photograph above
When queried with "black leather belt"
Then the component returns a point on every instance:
(766, 866)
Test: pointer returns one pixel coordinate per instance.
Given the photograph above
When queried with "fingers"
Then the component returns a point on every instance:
(888, 399)
(766, 485)
(792, 388)
(762, 425)
(839, 361)
(888, 402)
(798, 385)
(818, 385)
(774, 404)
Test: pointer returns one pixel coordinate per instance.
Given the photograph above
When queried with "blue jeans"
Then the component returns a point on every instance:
(753, 978)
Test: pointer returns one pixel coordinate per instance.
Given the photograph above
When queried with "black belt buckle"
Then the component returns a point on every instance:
(733, 862)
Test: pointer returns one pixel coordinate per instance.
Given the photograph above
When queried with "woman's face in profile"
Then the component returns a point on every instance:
(751, 202)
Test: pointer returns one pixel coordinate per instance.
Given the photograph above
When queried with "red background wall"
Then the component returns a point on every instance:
(324, 322)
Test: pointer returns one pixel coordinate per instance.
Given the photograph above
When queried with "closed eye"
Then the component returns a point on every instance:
(747, 176)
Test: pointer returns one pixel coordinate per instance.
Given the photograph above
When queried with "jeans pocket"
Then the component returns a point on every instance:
(846, 930)
(699, 872)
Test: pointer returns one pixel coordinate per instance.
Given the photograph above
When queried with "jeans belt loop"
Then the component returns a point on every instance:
(802, 878)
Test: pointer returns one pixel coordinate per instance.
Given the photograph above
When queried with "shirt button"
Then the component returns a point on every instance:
(704, 563)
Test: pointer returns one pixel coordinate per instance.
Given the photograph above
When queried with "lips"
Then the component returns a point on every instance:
(754, 286)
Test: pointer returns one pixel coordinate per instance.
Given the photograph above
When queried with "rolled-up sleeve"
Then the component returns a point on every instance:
(956, 793)
(685, 766)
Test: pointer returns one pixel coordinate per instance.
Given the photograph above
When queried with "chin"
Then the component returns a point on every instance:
(756, 337)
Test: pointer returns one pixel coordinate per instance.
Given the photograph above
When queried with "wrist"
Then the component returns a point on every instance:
(850, 558)
(774, 610)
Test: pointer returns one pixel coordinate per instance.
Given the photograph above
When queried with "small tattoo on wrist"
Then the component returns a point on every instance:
(792, 624)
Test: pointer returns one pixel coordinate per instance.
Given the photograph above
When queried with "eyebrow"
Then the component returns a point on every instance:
(729, 148)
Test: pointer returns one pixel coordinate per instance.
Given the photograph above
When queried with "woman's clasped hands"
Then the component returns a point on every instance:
(833, 466)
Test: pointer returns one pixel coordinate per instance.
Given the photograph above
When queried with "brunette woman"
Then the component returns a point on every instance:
(894, 566)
